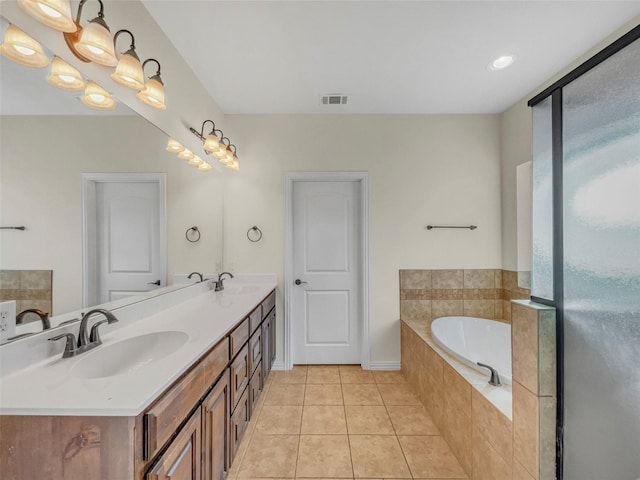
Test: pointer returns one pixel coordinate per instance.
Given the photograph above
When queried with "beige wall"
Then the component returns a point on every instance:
(40, 188)
(422, 169)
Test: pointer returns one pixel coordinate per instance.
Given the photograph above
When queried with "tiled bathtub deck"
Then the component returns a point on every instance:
(342, 422)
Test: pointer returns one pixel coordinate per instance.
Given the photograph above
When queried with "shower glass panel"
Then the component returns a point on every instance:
(601, 188)
(542, 213)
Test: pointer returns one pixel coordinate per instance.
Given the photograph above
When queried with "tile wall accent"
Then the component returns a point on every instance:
(30, 289)
(484, 293)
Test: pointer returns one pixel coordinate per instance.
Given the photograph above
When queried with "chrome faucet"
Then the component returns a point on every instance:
(495, 378)
(44, 317)
(86, 341)
(219, 283)
(196, 273)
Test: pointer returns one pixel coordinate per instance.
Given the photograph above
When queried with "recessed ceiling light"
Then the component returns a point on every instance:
(502, 62)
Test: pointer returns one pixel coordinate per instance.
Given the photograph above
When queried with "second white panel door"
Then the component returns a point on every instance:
(326, 292)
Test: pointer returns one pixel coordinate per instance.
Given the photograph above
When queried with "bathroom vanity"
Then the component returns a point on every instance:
(178, 413)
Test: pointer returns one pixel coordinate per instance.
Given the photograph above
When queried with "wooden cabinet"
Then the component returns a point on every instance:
(268, 343)
(239, 337)
(255, 318)
(255, 350)
(238, 423)
(255, 388)
(182, 459)
(215, 431)
(239, 370)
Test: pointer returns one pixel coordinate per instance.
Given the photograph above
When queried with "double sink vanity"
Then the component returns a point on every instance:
(168, 394)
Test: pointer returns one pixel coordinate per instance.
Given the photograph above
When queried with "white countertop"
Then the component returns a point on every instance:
(48, 387)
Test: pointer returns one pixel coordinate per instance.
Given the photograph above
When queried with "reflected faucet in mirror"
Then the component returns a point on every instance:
(44, 317)
(196, 273)
(85, 342)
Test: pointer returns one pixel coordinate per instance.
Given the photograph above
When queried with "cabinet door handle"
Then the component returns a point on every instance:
(157, 282)
(299, 282)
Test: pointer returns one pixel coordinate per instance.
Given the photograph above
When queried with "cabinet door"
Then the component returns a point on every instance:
(182, 459)
(239, 421)
(255, 389)
(272, 358)
(239, 370)
(255, 351)
(215, 431)
(266, 348)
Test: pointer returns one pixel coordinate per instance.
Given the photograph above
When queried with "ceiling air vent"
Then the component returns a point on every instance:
(333, 99)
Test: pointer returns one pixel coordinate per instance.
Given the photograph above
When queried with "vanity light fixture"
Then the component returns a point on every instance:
(92, 43)
(129, 70)
(22, 49)
(232, 159)
(211, 142)
(64, 76)
(186, 154)
(204, 167)
(52, 13)
(174, 146)
(502, 62)
(218, 147)
(97, 97)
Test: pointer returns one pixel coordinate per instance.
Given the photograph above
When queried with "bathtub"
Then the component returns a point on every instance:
(472, 340)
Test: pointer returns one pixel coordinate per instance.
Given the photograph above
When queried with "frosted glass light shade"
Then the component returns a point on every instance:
(21, 48)
(97, 97)
(96, 44)
(186, 154)
(235, 165)
(64, 76)
(195, 161)
(129, 71)
(227, 157)
(52, 13)
(174, 146)
(153, 94)
(212, 143)
(204, 167)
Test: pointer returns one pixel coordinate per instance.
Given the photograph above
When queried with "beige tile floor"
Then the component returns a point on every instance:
(342, 422)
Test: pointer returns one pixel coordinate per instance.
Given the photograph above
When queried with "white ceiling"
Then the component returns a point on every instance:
(390, 56)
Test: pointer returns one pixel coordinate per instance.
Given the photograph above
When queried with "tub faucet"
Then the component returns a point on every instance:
(196, 273)
(44, 317)
(495, 378)
(219, 284)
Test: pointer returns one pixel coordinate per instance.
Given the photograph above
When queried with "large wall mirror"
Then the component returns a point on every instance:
(51, 147)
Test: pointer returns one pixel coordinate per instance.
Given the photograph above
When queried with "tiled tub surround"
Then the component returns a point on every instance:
(29, 288)
(483, 293)
(496, 433)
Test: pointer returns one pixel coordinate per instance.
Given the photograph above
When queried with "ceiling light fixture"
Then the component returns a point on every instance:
(174, 146)
(92, 43)
(129, 70)
(52, 13)
(153, 93)
(97, 97)
(502, 62)
(64, 76)
(22, 49)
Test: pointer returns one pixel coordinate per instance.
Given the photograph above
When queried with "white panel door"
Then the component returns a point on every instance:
(128, 239)
(325, 305)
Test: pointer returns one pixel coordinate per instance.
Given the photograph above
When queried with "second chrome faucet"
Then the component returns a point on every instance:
(86, 341)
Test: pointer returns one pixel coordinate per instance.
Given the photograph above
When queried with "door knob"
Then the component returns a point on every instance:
(299, 282)
(157, 282)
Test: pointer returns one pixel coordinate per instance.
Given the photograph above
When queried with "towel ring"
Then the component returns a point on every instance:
(257, 235)
(194, 237)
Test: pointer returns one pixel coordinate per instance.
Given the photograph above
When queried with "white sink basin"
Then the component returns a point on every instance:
(240, 290)
(129, 355)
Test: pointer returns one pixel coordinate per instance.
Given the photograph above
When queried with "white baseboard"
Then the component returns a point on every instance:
(278, 365)
(384, 365)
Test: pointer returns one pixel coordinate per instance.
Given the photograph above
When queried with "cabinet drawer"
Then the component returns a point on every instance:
(255, 388)
(268, 303)
(215, 431)
(182, 459)
(255, 351)
(239, 421)
(164, 417)
(238, 337)
(239, 370)
(255, 318)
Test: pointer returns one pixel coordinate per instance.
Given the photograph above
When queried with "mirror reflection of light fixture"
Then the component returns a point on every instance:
(129, 70)
(92, 43)
(21, 48)
(64, 76)
(186, 154)
(174, 146)
(204, 167)
(195, 161)
(97, 97)
(52, 13)
(153, 93)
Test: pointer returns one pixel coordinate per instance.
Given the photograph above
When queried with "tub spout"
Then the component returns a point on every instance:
(495, 378)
